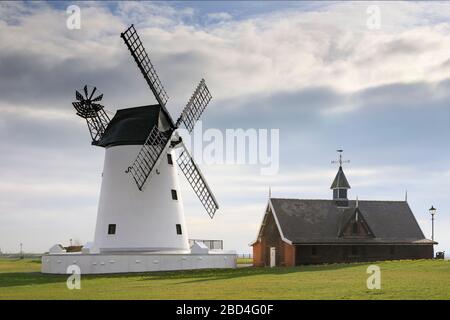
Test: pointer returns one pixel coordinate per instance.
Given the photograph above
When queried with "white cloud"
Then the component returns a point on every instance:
(330, 47)
(241, 60)
(218, 17)
(149, 14)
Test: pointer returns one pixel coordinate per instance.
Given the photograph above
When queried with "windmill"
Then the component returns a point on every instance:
(140, 207)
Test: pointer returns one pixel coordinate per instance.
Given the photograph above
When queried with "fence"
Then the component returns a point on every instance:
(211, 244)
(20, 255)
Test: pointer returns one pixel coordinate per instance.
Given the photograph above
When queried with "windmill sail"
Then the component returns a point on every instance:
(195, 107)
(148, 156)
(96, 118)
(158, 140)
(195, 178)
(139, 54)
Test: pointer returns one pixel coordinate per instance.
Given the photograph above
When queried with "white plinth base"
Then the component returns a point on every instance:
(136, 262)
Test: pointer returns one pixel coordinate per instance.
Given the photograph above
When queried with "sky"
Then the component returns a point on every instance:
(315, 71)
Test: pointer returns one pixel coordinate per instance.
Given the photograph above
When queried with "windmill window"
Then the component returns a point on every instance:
(314, 250)
(174, 194)
(178, 227)
(111, 229)
(169, 159)
(354, 250)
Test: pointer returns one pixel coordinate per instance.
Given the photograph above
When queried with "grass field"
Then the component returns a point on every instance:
(420, 279)
(244, 261)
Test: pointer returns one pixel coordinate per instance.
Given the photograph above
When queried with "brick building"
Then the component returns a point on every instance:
(301, 231)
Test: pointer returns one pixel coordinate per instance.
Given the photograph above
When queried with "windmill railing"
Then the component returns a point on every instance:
(211, 244)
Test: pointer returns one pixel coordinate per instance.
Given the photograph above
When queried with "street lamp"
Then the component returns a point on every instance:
(432, 212)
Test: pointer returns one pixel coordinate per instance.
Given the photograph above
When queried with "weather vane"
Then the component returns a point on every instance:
(340, 161)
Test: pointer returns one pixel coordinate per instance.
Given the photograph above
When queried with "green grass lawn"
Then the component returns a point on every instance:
(420, 279)
(244, 261)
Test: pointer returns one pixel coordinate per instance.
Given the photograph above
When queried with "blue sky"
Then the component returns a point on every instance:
(238, 9)
(312, 70)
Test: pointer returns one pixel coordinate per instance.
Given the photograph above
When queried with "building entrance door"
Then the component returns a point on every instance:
(273, 255)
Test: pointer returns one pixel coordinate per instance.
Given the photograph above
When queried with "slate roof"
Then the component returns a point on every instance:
(130, 126)
(320, 221)
(340, 181)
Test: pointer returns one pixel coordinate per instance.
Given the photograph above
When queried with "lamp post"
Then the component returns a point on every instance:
(432, 212)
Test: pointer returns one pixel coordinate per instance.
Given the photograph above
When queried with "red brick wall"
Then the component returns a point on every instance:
(258, 259)
(289, 255)
(286, 254)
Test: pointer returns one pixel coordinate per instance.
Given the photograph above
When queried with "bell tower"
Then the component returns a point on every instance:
(340, 184)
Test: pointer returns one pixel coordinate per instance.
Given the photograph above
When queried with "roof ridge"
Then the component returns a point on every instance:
(312, 199)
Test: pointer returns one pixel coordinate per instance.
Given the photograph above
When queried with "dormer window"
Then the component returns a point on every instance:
(354, 225)
(355, 228)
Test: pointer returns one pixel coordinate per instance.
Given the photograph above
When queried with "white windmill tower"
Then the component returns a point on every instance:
(140, 210)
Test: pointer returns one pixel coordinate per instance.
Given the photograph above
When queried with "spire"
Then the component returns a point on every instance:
(340, 183)
(406, 195)
(270, 192)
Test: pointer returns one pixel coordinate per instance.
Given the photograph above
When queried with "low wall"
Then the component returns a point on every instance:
(125, 263)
